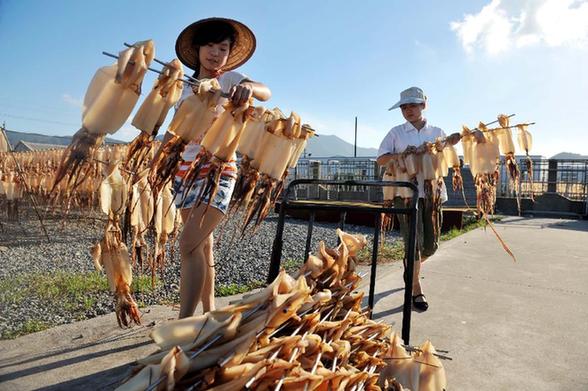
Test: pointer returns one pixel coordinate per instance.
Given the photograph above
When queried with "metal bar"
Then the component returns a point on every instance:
(409, 268)
(309, 234)
(276, 257)
(377, 229)
(151, 69)
(342, 217)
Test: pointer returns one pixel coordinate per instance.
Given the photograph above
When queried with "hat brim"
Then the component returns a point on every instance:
(407, 101)
(242, 49)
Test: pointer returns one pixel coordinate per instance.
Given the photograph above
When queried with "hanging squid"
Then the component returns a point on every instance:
(152, 112)
(192, 119)
(141, 213)
(217, 148)
(109, 100)
(507, 149)
(111, 253)
(165, 223)
(280, 148)
(250, 153)
(525, 141)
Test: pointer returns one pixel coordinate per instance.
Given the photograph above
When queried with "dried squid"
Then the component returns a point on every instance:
(191, 120)
(111, 253)
(507, 149)
(292, 335)
(217, 148)
(279, 149)
(109, 100)
(165, 223)
(141, 210)
(152, 112)
(525, 141)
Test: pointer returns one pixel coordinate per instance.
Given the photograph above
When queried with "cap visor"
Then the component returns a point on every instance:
(406, 102)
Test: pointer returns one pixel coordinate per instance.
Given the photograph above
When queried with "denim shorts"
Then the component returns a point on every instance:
(221, 199)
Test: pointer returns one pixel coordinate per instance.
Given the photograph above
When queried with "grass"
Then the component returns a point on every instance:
(235, 289)
(291, 265)
(74, 293)
(393, 252)
(30, 326)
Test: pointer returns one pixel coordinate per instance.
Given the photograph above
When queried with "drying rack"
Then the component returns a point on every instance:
(342, 208)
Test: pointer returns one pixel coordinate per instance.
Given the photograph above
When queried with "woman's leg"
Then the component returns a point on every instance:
(199, 223)
(208, 290)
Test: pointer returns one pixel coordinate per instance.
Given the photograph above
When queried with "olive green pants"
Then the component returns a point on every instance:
(429, 219)
(427, 236)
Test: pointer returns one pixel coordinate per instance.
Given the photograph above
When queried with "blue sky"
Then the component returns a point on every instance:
(327, 60)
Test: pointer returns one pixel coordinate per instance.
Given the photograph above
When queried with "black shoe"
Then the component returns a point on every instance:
(420, 305)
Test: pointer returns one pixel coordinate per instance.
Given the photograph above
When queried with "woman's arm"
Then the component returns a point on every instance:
(243, 91)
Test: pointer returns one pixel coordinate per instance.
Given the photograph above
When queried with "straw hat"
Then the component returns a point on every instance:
(242, 49)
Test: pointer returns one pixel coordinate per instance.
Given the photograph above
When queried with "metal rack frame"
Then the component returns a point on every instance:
(342, 208)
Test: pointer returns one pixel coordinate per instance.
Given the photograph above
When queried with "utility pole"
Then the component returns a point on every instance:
(355, 143)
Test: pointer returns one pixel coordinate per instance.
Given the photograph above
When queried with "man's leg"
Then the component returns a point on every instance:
(432, 220)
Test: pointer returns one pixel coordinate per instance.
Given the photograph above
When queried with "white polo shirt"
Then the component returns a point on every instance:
(402, 136)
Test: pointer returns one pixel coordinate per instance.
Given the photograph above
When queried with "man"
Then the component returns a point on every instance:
(409, 137)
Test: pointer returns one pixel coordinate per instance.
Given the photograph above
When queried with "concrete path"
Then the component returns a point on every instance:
(507, 326)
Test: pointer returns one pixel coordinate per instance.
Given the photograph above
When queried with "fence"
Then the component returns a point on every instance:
(565, 177)
(568, 178)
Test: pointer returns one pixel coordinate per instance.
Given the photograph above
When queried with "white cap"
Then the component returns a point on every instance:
(410, 95)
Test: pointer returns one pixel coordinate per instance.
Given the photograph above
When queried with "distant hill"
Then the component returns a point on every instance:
(15, 137)
(569, 155)
(331, 146)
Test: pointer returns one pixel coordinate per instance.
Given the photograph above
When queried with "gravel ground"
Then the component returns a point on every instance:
(24, 251)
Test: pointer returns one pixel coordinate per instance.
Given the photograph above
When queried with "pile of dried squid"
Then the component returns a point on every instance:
(306, 332)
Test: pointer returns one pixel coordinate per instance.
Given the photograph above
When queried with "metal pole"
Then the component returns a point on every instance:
(410, 258)
(355, 142)
(309, 235)
(276, 257)
(375, 263)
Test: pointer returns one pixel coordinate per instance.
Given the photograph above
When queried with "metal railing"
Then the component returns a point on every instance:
(567, 177)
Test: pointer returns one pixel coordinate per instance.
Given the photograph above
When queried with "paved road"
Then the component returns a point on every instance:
(508, 326)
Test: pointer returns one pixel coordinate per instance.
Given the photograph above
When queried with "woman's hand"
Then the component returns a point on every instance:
(241, 93)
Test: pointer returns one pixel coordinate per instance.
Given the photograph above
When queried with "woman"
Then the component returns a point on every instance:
(212, 48)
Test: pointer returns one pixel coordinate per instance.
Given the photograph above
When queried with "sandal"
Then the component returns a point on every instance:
(420, 305)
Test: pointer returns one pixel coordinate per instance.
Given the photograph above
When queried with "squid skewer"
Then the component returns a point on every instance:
(217, 148)
(191, 120)
(150, 116)
(109, 100)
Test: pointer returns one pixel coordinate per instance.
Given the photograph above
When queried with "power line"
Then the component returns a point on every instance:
(40, 120)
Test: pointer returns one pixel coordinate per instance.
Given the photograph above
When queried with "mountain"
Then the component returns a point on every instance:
(569, 155)
(330, 146)
(15, 137)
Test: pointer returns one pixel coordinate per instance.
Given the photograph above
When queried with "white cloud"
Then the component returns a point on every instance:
(500, 26)
(67, 98)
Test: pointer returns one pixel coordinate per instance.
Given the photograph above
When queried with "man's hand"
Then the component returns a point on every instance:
(241, 93)
(410, 149)
(453, 138)
(479, 136)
